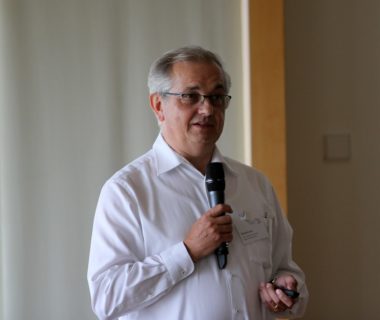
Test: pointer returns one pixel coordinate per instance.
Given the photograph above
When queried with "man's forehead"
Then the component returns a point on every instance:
(195, 74)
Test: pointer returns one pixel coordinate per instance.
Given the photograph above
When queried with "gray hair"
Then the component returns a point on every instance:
(159, 79)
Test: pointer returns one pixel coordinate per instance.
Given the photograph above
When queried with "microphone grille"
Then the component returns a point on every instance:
(215, 176)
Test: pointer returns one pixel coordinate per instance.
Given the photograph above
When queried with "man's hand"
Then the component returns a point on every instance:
(209, 232)
(275, 299)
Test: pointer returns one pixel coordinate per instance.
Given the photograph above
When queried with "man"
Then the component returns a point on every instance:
(154, 237)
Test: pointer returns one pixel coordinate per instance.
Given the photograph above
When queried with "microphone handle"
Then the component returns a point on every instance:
(217, 197)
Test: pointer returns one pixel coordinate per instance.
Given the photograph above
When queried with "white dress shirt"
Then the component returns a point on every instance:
(139, 267)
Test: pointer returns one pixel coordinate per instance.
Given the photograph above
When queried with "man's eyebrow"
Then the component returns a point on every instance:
(197, 87)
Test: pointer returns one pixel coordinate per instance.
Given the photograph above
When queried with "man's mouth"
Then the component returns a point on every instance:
(203, 124)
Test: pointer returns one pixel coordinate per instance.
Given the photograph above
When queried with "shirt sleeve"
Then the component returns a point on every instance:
(121, 279)
(283, 262)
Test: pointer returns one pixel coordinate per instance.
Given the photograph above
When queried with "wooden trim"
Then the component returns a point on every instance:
(266, 26)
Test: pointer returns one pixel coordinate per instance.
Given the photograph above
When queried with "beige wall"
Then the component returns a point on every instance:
(332, 86)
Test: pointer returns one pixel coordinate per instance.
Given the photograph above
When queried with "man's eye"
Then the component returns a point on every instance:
(216, 98)
(192, 97)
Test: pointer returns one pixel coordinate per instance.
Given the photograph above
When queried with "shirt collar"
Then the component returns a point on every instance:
(167, 159)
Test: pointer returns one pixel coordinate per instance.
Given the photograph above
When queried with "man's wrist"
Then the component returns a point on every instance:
(190, 252)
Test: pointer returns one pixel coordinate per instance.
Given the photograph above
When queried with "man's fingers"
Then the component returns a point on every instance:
(264, 294)
(288, 302)
(272, 294)
(219, 209)
(208, 232)
(225, 228)
(275, 300)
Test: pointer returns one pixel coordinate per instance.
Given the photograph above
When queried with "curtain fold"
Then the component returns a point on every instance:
(74, 109)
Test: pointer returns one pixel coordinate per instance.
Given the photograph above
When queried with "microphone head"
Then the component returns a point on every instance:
(215, 177)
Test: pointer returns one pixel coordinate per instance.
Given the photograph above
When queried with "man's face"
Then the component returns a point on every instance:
(192, 130)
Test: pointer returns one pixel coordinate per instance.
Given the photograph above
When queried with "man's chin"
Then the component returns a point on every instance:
(206, 140)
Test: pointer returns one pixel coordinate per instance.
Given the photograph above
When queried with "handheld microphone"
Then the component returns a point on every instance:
(215, 186)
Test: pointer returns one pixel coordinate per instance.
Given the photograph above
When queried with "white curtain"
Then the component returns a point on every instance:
(74, 109)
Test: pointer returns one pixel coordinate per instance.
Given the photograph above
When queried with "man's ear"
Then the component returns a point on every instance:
(156, 105)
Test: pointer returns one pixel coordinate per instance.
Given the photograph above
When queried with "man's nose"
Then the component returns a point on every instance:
(206, 107)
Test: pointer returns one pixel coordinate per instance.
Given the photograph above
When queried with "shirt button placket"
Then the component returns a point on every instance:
(237, 299)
